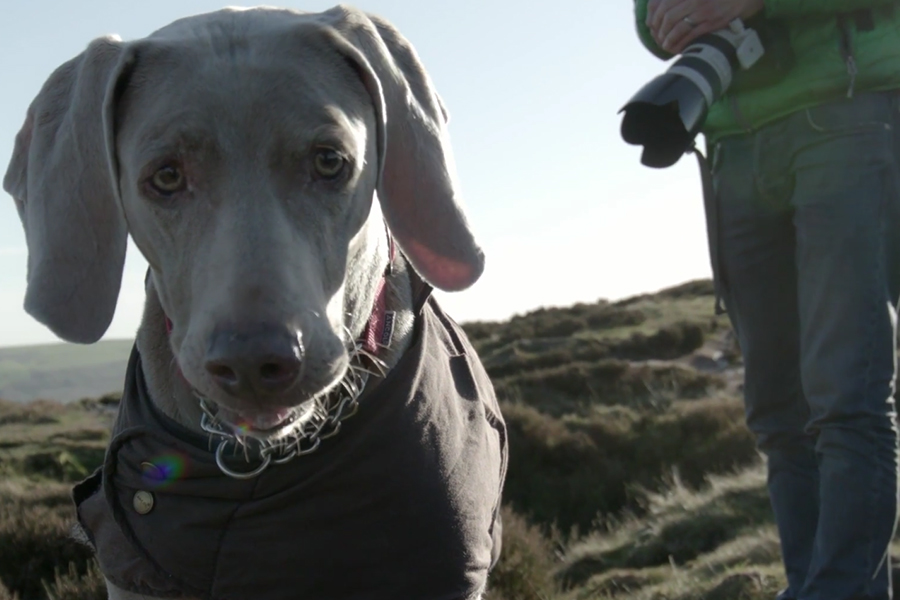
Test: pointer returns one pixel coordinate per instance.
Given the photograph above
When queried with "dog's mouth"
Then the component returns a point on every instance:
(273, 436)
(263, 424)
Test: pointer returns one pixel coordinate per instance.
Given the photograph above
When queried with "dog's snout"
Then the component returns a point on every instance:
(263, 360)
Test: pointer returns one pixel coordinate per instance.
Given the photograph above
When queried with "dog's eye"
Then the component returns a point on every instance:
(329, 162)
(168, 180)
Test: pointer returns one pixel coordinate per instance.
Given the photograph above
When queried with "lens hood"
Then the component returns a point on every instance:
(664, 117)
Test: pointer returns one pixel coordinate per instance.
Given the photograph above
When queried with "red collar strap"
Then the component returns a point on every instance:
(380, 329)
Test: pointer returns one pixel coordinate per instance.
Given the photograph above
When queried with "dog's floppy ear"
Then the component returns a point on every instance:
(61, 178)
(417, 188)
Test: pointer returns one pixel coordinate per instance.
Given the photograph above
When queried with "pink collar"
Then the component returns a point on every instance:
(380, 328)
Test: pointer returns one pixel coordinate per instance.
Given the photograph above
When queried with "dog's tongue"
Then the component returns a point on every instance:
(258, 420)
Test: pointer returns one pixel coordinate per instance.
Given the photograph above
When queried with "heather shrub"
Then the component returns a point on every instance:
(576, 473)
(35, 540)
(552, 323)
(39, 412)
(578, 387)
(527, 563)
(666, 343)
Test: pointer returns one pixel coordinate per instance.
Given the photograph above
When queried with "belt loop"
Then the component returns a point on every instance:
(865, 19)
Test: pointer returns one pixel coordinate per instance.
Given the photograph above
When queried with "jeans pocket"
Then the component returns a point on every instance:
(866, 111)
(844, 157)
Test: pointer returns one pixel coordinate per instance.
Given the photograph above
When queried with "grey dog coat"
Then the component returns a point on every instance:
(403, 503)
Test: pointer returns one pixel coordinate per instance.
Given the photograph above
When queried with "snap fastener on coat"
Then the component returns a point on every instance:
(143, 502)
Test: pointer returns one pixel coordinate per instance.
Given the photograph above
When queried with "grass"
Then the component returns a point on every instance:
(717, 543)
(631, 474)
(679, 526)
(48, 441)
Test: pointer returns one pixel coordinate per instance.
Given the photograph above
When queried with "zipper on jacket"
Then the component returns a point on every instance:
(846, 45)
(864, 20)
(852, 72)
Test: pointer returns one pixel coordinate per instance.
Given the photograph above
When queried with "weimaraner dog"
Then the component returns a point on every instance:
(289, 179)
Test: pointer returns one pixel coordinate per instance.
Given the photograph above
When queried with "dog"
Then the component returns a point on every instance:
(300, 418)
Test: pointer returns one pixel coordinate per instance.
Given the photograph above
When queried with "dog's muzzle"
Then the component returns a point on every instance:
(314, 421)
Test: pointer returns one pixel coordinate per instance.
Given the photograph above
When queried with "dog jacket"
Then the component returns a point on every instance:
(403, 503)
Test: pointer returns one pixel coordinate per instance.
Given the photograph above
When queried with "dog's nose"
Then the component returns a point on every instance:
(263, 360)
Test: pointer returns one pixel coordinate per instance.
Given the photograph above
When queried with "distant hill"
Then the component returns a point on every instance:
(546, 341)
(63, 372)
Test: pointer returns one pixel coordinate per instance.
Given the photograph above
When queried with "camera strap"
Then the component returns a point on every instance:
(711, 209)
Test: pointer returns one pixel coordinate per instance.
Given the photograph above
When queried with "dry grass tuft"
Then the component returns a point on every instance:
(75, 585)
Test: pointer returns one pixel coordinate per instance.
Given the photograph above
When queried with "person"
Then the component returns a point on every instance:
(805, 180)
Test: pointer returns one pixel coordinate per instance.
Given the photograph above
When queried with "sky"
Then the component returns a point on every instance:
(561, 205)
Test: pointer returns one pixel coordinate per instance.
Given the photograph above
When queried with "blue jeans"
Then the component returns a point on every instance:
(809, 264)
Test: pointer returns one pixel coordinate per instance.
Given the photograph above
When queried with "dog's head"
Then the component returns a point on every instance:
(242, 151)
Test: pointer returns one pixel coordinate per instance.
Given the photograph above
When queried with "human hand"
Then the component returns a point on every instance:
(676, 23)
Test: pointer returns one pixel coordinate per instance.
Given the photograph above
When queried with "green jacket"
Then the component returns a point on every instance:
(820, 73)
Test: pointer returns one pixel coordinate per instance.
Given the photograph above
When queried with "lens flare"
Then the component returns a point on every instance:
(164, 470)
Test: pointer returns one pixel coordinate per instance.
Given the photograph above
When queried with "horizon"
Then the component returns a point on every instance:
(561, 205)
(461, 322)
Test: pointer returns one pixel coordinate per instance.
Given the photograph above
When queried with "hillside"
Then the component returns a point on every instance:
(62, 372)
(631, 473)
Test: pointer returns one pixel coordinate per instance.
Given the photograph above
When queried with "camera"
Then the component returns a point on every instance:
(667, 114)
